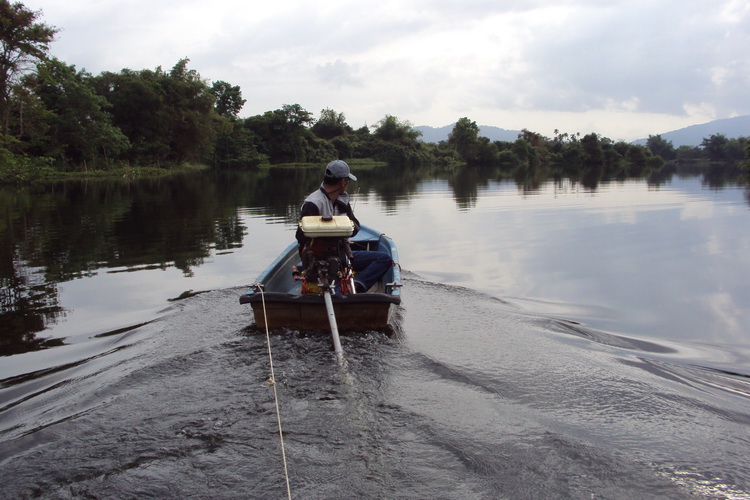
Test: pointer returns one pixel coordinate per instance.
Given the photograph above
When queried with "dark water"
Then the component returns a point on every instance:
(558, 343)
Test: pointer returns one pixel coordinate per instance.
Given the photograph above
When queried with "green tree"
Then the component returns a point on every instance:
(539, 143)
(331, 124)
(236, 148)
(637, 157)
(734, 150)
(395, 142)
(487, 152)
(284, 137)
(686, 153)
(138, 109)
(715, 147)
(746, 165)
(229, 101)
(506, 158)
(168, 117)
(193, 124)
(614, 162)
(391, 129)
(20, 168)
(571, 157)
(79, 132)
(296, 115)
(593, 155)
(527, 154)
(465, 139)
(363, 143)
(661, 147)
(23, 41)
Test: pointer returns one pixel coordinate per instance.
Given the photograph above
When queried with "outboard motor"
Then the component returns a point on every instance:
(327, 257)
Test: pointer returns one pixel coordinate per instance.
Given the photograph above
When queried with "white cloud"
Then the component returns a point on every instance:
(625, 68)
(339, 74)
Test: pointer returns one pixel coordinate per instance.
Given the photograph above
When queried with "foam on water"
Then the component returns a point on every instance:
(471, 398)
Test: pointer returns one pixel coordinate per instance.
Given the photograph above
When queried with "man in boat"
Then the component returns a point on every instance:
(332, 199)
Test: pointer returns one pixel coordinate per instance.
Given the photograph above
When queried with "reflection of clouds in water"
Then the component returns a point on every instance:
(667, 263)
(714, 245)
(652, 255)
(618, 203)
(724, 307)
(699, 209)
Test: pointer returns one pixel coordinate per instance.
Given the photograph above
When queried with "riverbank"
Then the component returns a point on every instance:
(40, 175)
(34, 176)
(354, 163)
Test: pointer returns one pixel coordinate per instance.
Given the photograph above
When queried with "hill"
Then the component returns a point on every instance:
(688, 136)
(694, 134)
(433, 134)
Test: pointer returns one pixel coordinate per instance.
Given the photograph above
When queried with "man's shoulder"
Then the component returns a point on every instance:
(315, 196)
(309, 207)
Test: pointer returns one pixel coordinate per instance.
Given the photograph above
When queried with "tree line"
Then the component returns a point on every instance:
(56, 118)
(589, 156)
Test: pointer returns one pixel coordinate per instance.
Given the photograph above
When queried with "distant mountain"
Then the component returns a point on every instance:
(694, 134)
(688, 136)
(432, 134)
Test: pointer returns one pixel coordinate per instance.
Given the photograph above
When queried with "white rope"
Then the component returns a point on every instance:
(272, 381)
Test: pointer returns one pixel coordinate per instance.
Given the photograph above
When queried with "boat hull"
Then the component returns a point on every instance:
(367, 311)
(277, 301)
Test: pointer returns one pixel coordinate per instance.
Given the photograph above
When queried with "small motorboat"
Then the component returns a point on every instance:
(281, 299)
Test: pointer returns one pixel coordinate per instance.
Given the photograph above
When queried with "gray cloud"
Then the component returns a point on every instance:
(663, 58)
(434, 61)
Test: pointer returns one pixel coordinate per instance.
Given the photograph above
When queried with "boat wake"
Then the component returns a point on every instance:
(468, 397)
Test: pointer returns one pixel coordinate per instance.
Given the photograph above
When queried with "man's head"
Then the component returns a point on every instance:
(337, 170)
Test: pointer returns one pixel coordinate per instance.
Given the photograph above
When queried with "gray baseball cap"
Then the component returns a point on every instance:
(338, 169)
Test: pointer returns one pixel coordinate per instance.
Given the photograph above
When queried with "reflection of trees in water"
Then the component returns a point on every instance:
(59, 232)
(718, 176)
(27, 305)
(56, 233)
(395, 184)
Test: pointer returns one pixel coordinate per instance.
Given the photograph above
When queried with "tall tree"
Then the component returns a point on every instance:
(661, 147)
(168, 117)
(79, 131)
(137, 107)
(330, 124)
(23, 41)
(391, 129)
(714, 146)
(193, 126)
(395, 142)
(464, 137)
(283, 135)
(592, 150)
(229, 99)
(296, 115)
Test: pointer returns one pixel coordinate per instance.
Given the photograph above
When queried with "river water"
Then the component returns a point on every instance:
(557, 341)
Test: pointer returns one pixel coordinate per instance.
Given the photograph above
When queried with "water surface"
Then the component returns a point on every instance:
(554, 342)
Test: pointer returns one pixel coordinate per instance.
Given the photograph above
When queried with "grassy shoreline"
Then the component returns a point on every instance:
(358, 163)
(126, 173)
(132, 173)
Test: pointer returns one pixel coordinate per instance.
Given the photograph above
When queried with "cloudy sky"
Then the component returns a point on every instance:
(623, 69)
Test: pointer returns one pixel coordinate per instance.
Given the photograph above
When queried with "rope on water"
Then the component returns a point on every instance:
(272, 382)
